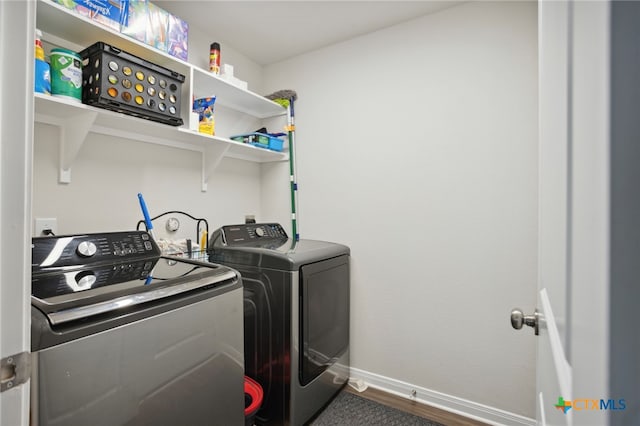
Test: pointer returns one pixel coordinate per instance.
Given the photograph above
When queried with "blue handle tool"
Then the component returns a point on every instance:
(145, 213)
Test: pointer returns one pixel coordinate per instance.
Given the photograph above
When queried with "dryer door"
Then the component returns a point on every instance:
(324, 315)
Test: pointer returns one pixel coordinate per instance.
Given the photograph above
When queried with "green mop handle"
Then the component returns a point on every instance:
(291, 128)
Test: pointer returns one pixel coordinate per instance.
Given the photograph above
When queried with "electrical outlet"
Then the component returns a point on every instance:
(43, 224)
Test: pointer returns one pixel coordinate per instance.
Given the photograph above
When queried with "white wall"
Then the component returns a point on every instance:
(109, 173)
(417, 147)
(200, 42)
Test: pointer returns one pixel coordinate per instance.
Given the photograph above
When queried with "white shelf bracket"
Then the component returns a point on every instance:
(73, 133)
(211, 157)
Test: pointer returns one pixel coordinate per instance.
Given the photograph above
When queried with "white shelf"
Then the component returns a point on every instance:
(206, 84)
(65, 28)
(75, 120)
(78, 32)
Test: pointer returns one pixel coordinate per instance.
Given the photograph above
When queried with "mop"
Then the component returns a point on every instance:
(286, 98)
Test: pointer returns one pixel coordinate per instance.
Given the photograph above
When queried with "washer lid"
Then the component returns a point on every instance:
(75, 293)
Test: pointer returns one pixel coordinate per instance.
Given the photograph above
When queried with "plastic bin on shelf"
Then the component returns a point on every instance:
(262, 140)
(119, 81)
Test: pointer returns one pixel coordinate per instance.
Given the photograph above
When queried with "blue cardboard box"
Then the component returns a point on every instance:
(111, 13)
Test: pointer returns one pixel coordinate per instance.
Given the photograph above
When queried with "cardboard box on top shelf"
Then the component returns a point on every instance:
(178, 38)
(110, 13)
(157, 25)
(158, 28)
(138, 16)
(138, 19)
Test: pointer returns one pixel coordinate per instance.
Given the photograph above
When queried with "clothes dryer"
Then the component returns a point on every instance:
(296, 316)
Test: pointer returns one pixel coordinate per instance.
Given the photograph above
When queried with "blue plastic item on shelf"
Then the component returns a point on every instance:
(270, 141)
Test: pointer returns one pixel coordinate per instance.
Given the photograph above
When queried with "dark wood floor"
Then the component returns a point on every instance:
(415, 408)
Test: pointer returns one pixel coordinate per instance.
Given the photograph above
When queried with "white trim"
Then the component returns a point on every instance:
(541, 415)
(17, 24)
(563, 369)
(453, 404)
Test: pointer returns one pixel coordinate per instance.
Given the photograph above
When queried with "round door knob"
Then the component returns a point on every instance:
(518, 319)
(86, 249)
(260, 232)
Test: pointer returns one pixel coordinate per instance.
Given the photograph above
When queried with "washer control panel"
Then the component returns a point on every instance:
(72, 250)
(47, 285)
(252, 232)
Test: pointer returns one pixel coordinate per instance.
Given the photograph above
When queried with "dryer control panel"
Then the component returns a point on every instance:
(234, 235)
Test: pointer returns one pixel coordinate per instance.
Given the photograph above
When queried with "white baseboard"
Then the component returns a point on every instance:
(453, 404)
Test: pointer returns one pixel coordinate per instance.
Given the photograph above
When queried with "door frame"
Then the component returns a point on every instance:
(17, 24)
(589, 260)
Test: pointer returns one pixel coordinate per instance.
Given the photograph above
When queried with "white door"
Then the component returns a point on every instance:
(573, 282)
(17, 19)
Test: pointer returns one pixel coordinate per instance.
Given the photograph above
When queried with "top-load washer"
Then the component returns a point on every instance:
(121, 335)
(296, 316)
